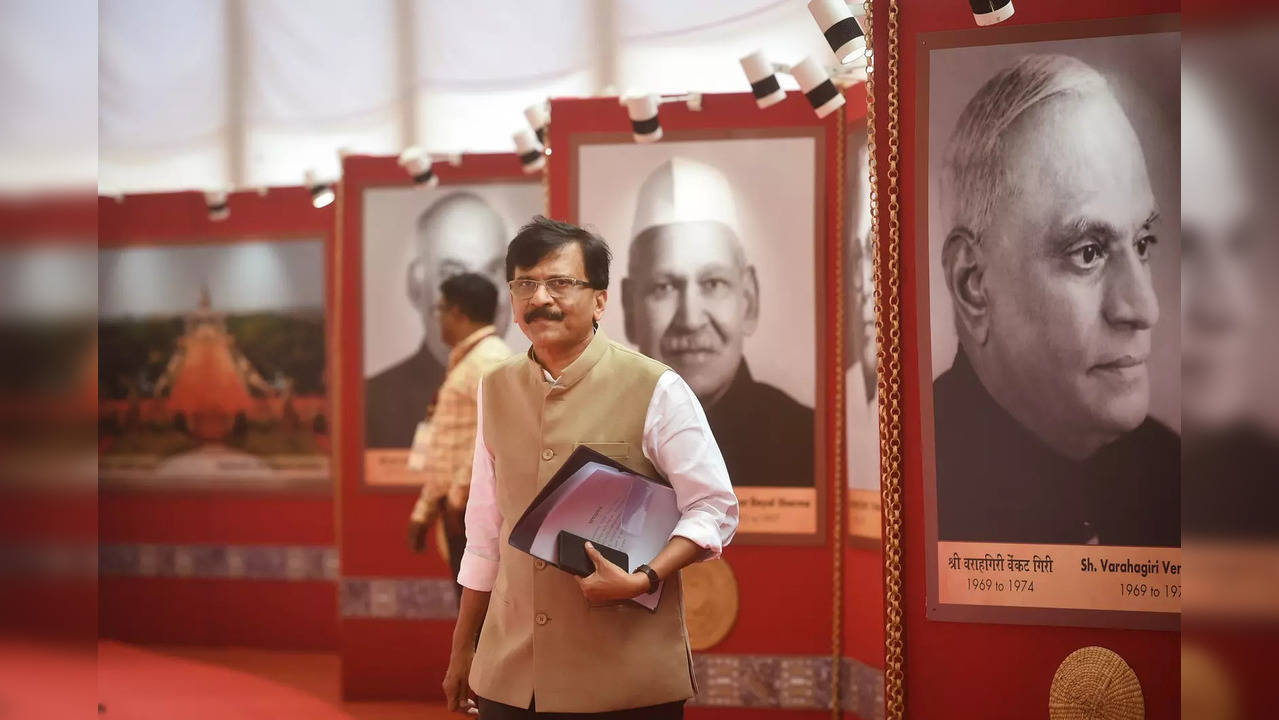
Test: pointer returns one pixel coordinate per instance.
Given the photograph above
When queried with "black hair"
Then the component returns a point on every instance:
(473, 294)
(543, 236)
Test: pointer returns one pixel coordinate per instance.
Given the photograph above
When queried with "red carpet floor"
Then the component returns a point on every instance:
(187, 683)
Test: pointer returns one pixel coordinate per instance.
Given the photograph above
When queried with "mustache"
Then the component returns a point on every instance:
(705, 339)
(546, 313)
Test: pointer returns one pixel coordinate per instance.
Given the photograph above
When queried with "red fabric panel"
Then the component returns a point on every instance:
(382, 659)
(786, 593)
(864, 606)
(183, 218)
(300, 615)
(253, 613)
(373, 522)
(216, 519)
(394, 659)
(960, 670)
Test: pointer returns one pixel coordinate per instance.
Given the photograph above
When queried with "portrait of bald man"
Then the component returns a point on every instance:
(1230, 256)
(1042, 423)
(690, 299)
(459, 233)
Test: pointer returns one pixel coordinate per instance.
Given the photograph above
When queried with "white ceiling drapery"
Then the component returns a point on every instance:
(246, 93)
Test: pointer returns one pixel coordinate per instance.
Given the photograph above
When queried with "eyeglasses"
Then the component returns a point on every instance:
(556, 287)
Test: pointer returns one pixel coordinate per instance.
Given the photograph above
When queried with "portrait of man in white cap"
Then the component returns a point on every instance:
(690, 299)
(457, 234)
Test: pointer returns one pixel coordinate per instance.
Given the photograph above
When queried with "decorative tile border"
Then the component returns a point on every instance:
(861, 689)
(401, 598)
(793, 682)
(250, 562)
(796, 682)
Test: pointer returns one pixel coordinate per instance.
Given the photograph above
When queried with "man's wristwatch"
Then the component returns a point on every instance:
(653, 579)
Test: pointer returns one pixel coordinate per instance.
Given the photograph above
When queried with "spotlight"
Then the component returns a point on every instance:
(538, 119)
(843, 31)
(321, 193)
(817, 87)
(642, 110)
(418, 165)
(991, 12)
(216, 201)
(763, 79)
(532, 158)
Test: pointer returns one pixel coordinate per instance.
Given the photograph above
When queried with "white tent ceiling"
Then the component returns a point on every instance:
(246, 93)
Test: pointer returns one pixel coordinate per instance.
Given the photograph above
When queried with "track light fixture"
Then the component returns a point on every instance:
(321, 192)
(842, 26)
(531, 153)
(418, 165)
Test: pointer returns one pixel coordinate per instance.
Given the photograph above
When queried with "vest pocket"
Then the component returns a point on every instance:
(615, 450)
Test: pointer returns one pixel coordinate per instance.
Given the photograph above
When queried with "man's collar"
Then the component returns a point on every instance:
(469, 342)
(577, 369)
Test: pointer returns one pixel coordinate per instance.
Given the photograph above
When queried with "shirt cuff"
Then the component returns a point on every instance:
(702, 531)
(477, 573)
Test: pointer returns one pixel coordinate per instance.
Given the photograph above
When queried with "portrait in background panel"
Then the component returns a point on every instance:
(415, 239)
(211, 366)
(1229, 340)
(714, 244)
(861, 398)
(1053, 292)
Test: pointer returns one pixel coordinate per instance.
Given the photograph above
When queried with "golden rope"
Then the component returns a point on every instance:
(837, 627)
(888, 352)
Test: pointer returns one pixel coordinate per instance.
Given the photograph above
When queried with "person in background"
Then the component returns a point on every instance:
(459, 233)
(446, 442)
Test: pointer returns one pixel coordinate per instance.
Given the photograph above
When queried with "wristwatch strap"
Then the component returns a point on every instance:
(653, 579)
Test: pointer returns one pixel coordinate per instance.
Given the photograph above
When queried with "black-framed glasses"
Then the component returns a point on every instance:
(556, 287)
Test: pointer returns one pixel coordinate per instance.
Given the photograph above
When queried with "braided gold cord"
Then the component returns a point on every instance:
(888, 337)
(837, 232)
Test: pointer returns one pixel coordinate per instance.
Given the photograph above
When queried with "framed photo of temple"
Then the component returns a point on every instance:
(719, 240)
(212, 365)
(1049, 194)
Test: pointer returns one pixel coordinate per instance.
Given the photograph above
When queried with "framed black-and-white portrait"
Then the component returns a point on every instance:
(414, 238)
(718, 238)
(1048, 195)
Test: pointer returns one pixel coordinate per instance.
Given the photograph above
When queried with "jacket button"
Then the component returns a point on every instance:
(541, 619)
(547, 454)
(539, 564)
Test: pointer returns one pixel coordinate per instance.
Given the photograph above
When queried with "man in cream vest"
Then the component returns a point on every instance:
(552, 642)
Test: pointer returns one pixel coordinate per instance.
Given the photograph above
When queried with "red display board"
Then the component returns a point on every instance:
(862, 602)
(48, 500)
(786, 591)
(962, 670)
(255, 607)
(397, 606)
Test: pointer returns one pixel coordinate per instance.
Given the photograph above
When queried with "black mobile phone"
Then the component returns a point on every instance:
(571, 555)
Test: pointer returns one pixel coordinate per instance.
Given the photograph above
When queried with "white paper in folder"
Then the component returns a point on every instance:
(621, 510)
